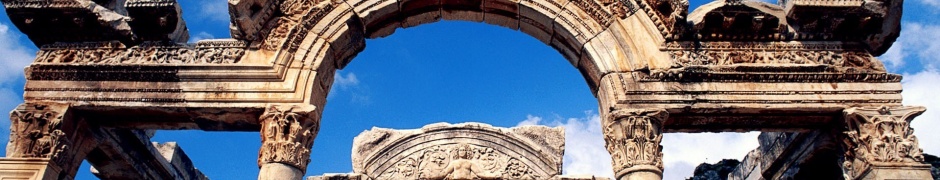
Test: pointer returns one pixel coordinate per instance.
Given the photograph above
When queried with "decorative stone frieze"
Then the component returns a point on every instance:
(287, 133)
(632, 138)
(844, 58)
(204, 52)
(880, 136)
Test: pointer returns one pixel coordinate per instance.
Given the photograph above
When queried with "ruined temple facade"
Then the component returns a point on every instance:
(109, 72)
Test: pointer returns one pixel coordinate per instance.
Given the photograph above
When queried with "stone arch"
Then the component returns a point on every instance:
(597, 37)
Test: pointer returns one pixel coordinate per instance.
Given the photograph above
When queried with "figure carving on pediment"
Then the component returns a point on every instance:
(462, 167)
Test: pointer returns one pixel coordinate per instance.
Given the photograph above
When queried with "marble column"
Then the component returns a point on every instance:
(633, 139)
(880, 144)
(287, 134)
(46, 142)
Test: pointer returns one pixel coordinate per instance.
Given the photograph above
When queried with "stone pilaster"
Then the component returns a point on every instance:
(41, 137)
(287, 134)
(880, 144)
(633, 138)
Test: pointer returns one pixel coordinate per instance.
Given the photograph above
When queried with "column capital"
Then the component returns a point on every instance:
(880, 136)
(287, 134)
(633, 139)
(37, 132)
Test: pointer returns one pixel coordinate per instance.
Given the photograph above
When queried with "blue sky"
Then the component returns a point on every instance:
(455, 71)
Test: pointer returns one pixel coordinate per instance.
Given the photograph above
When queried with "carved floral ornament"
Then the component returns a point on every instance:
(632, 138)
(458, 162)
(287, 133)
(878, 136)
(36, 132)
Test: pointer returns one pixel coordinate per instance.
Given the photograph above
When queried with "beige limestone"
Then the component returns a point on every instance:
(729, 66)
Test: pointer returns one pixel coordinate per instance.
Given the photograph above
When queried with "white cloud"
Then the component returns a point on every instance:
(530, 120)
(200, 36)
(917, 45)
(348, 85)
(585, 153)
(920, 90)
(214, 10)
(683, 151)
(345, 82)
(15, 56)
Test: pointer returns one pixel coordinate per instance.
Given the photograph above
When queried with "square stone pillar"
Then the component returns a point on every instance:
(633, 139)
(46, 142)
(880, 144)
(29, 168)
(287, 134)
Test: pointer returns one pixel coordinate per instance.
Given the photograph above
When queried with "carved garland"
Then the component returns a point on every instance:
(287, 133)
(36, 132)
(876, 136)
(633, 138)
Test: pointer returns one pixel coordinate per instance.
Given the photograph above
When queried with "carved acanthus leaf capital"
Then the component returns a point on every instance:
(287, 133)
(880, 135)
(633, 139)
(36, 132)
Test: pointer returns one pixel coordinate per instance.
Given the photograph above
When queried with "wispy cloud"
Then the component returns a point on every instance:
(213, 10)
(15, 57)
(345, 82)
(585, 152)
(917, 46)
(348, 85)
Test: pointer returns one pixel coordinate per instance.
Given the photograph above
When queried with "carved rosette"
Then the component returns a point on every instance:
(880, 136)
(287, 133)
(633, 138)
(36, 132)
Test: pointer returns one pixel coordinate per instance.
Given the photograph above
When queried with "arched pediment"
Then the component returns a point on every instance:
(527, 152)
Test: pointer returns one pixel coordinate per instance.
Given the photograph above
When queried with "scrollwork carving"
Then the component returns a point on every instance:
(876, 136)
(211, 52)
(632, 138)
(287, 133)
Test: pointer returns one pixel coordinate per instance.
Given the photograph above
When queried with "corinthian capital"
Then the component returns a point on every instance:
(36, 132)
(633, 138)
(880, 136)
(287, 133)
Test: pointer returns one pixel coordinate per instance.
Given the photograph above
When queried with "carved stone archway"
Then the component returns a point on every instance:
(730, 65)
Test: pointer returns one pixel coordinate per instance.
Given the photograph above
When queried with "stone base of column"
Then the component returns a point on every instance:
(279, 171)
(880, 171)
(29, 168)
(641, 172)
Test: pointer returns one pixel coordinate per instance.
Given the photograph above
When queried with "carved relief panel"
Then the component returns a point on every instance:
(461, 151)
